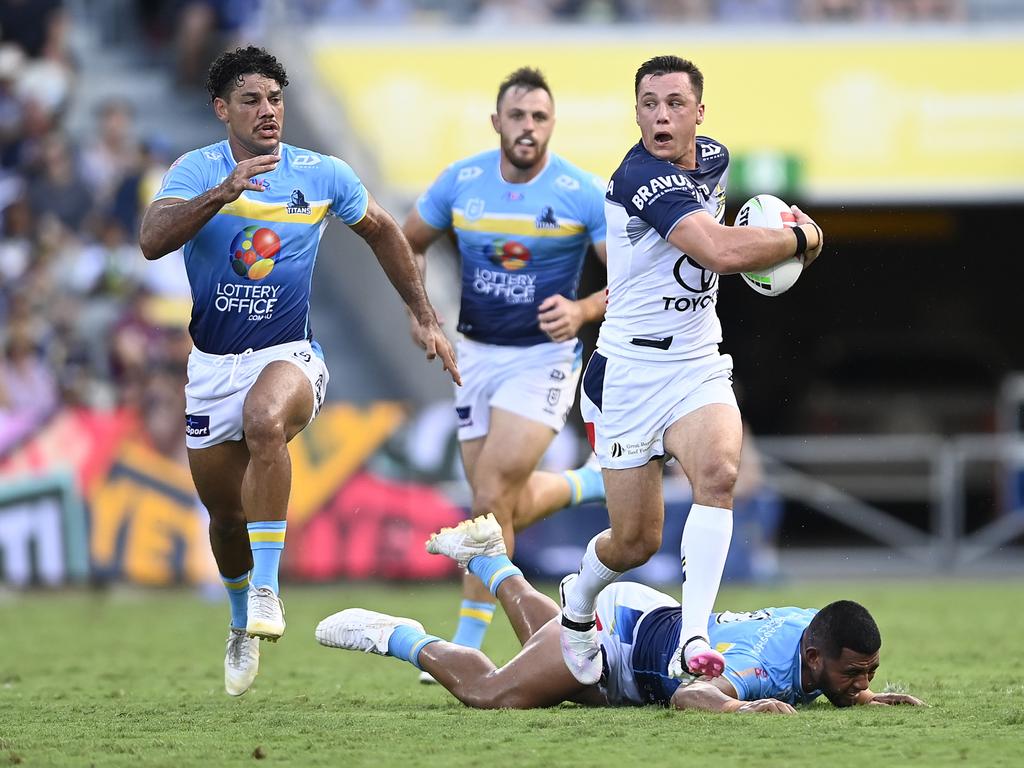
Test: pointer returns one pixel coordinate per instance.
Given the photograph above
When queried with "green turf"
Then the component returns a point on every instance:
(134, 678)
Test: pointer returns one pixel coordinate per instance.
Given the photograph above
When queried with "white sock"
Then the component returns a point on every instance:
(705, 544)
(581, 597)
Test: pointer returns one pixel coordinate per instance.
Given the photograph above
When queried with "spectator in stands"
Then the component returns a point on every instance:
(835, 10)
(755, 11)
(39, 27)
(59, 191)
(112, 152)
(27, 387)
(503, 13)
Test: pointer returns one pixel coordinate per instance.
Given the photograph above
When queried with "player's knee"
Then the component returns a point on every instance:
(717, 480)
(637, 547)
(497, 499)
(263, 430)
(226, 523)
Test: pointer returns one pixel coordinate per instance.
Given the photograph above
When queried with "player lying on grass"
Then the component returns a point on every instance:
(775, 657)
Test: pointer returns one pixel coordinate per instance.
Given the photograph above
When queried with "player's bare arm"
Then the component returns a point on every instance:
(170, 223)
(889, 699)
(382, 233)
(719, 695)
(727, 250)
(561, 318)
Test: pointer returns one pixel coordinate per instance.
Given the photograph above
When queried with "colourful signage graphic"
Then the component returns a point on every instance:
(88, 497)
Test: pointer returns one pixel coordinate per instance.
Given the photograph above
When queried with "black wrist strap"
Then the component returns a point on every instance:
(801, 241)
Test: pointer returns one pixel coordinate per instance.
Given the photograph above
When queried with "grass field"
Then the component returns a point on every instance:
(134, 678)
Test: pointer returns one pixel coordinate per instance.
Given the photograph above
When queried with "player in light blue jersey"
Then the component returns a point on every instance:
(249, 212)
(774, 657)
(523, 219)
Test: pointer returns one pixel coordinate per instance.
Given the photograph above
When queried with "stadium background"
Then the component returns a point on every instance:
(884, 393)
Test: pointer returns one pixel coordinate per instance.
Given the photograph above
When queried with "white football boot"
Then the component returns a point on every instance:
(241, 661)
(266, 614)
(480, 536)
(581, 646)
(356, 629)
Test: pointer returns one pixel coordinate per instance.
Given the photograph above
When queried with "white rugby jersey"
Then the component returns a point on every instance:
(661, 303)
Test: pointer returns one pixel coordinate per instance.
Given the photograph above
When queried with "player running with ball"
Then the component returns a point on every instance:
(657, 387)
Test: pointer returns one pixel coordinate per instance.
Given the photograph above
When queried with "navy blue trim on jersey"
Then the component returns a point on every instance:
(662, 194)
(593, 379)
(656, 642)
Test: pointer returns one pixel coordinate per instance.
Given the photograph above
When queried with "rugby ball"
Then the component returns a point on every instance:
(769, 211)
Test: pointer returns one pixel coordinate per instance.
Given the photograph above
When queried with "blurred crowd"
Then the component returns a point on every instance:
(200, 20)
(84, 320)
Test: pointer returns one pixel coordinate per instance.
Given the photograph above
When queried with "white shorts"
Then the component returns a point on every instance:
(536, 382)
(620, 606)
(628, 405)
(218, 384)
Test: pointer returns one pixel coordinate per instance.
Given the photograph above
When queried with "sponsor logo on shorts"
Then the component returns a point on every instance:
(197, 426)
(305, 357)
(557, 375)
(464, 412)
(318, 388)
(641, 448)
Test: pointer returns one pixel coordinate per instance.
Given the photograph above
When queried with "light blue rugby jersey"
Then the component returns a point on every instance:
(251, 266)
(519, 243)
(761, 649)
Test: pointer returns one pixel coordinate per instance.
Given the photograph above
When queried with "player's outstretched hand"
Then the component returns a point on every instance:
(894, 699)
(811, 253)
(241, 179)
(771, 706)
(560, 318)
(432, 339)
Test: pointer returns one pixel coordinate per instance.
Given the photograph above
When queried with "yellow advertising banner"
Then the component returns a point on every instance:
(927, 117)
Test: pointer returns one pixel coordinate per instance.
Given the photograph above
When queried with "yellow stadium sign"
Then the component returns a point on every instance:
(900, 118)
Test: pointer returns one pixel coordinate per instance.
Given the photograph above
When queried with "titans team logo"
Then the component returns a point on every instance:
(253, 252)
(509, 254)
(297, 203)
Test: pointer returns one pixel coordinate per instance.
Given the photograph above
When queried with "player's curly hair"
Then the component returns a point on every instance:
(231, 67)
(525, 77)
(663, 65)
(843, 624)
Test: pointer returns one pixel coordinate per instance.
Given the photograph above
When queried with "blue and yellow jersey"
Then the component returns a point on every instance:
(761, 649)
(251, 266)
(519, 243)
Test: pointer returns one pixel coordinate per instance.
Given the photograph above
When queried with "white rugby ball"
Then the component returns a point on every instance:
(769, 211)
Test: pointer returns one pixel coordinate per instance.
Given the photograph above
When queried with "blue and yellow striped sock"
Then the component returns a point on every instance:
(406, 643)
(474, 619)
(492, 570)
(238, 596)
(586, 484)
(267, 542)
